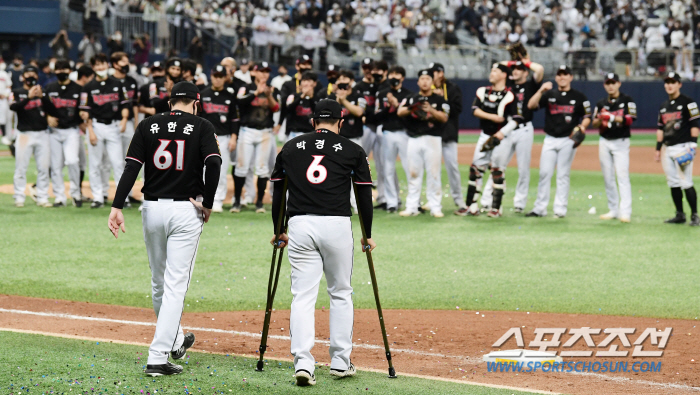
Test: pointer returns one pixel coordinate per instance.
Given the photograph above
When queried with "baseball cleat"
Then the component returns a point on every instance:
(485, 208)
(105, 199)
(609, 215)
(59, 204)
(32, 192)
(259, 208)
(45, 204)
(246, 201)
(493, 213)
(380, 206)
(19, 204)
(437, 214)
(217, 208)
(182, 351)
(462, 212)
(407, 213)
(304, 378)
(559, 216)
(425, 208)
(236, 208)
(533, 214)
(166, 369)
(77, 203)
(625, 220)
(6, 140)
(694, 220)
(96, 205)
(678, 219)
(391, 210)
(344, 373)
(519, 210)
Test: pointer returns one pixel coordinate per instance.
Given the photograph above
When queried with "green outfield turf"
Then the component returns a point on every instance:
(49, 365)
(579, 264)
(638, 139)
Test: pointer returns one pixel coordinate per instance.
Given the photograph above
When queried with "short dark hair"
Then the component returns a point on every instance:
(62, 64)
(99, 58)
(42, 64)
(189, 65)
(117, 56)
(397, 70)
(347, 74)
(18, 56)
(381, 65)
(325, 121)
(180, 100)
(309, 75)
(85, 71)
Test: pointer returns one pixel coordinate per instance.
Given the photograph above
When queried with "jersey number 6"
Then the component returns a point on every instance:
(314, 168)
(163, 159)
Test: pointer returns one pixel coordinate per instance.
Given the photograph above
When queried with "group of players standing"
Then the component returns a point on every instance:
(383, 116)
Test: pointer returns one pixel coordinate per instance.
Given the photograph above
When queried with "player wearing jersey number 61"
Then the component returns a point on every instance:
(319, 168)
(178, 198)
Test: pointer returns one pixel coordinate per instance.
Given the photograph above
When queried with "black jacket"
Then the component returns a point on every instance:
(453, 96)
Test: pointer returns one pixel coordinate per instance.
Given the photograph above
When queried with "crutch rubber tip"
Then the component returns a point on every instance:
(392, 373)
(259, 368)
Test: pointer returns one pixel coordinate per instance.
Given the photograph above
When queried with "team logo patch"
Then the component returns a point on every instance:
(567, 119)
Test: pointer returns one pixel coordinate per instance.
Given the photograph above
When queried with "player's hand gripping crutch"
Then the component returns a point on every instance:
(366, 248)
(272, 287)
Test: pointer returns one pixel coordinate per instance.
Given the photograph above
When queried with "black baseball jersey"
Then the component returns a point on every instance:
(523, 93)
(104, 100)
(152, 90)
(676, 118)
(299, 110)
(173, 147)
(385, 113)
(418, 122)
(255, 110)
(131, 89)
(61, 101)
(501, 103)
(319, 167)
(221, 109)
(352, 125)
(30, 112)
(453, 96)
(369, 92)
(622, 106)
(563, 111)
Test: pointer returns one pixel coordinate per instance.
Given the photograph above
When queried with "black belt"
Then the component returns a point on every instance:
(104, 121)
(155, 199)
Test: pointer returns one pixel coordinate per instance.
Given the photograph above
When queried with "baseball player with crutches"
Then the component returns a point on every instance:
(178, 197)
(678, 136)
(318, 168)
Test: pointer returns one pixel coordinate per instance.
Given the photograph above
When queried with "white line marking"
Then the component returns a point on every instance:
(644, 382)
(214, 330)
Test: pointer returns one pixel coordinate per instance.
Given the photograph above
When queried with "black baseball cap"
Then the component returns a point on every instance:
(428, 72)
(673, 76)
(185, 89)
(612, 77)
(177, 62)
(157, 65)
(501, 67)
(563, 69)
(219, 70)
(305, 59)
(328, 109)
(332, 69)
(367, 63)
(520, 65)
(30, 68)
(437, 67)
(262, 66)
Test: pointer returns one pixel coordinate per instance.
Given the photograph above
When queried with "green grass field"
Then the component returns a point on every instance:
(638, 139)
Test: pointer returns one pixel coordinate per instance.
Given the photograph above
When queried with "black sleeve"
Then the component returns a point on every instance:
(364, 206)
(211, 179)
(276, 203)
(18, 106)
(131, 171)
(543, 100)
(456, 102)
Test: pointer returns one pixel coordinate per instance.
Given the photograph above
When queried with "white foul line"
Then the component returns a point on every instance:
(229, 332)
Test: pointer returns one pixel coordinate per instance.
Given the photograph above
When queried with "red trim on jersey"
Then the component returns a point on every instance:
(128, 157)
(275, 179)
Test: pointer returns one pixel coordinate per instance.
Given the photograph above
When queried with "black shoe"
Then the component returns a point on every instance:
(694, 220)
(380, 206)
(391, 210)
(59, 204)
(182, 351)
(96, 205)
(533, 214)
(678, 219)
(78, 203)
(165, 369)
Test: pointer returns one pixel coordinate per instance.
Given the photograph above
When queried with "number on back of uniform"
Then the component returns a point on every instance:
(316, 172)
(163, 159)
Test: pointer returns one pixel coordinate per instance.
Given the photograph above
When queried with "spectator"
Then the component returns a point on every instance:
(46, 75)
(89, 47)
(115, 43)
(142, 47)
(543, 38)
(244, 32)
(260, 39)
(151, 15)
(60, 45)
(450, 36)
(94, 14)
(243, 72)
(423, 30)
(16, 69)
(196, 50)
(437, 37)
(278, 31)
(372, 31)
(227, 27)
(517, 36)
(76, 13)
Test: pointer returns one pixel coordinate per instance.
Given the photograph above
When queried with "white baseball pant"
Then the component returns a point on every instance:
(82, 154)
(318, 245)
(171, 230)
(450, 157)
(253, 144)
(675, 176)
(424, 154)
(615, 159)
(556, 152)
(65, 147)
(518, 142)
(28, 144)
(249, 178)
(395, 143)
(222, 187)
(372, 140)
(109, 143)
(106, 164)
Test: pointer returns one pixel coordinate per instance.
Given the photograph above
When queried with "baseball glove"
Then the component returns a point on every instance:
(578, 136)
(517, 51)
(490, 144)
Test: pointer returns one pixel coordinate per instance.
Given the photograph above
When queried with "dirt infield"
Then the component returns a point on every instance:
(444, 344)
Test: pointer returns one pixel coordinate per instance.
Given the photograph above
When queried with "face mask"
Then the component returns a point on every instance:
(102, 74)
(125, 69)
(198, 71)
(117, 37)
(332, 80)
(30, 81)
(62, 76)
(450, 28)
(394, 82)
(377, 77)
(17, 64)
(145, 71)
(279, 6)
(52, 65)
